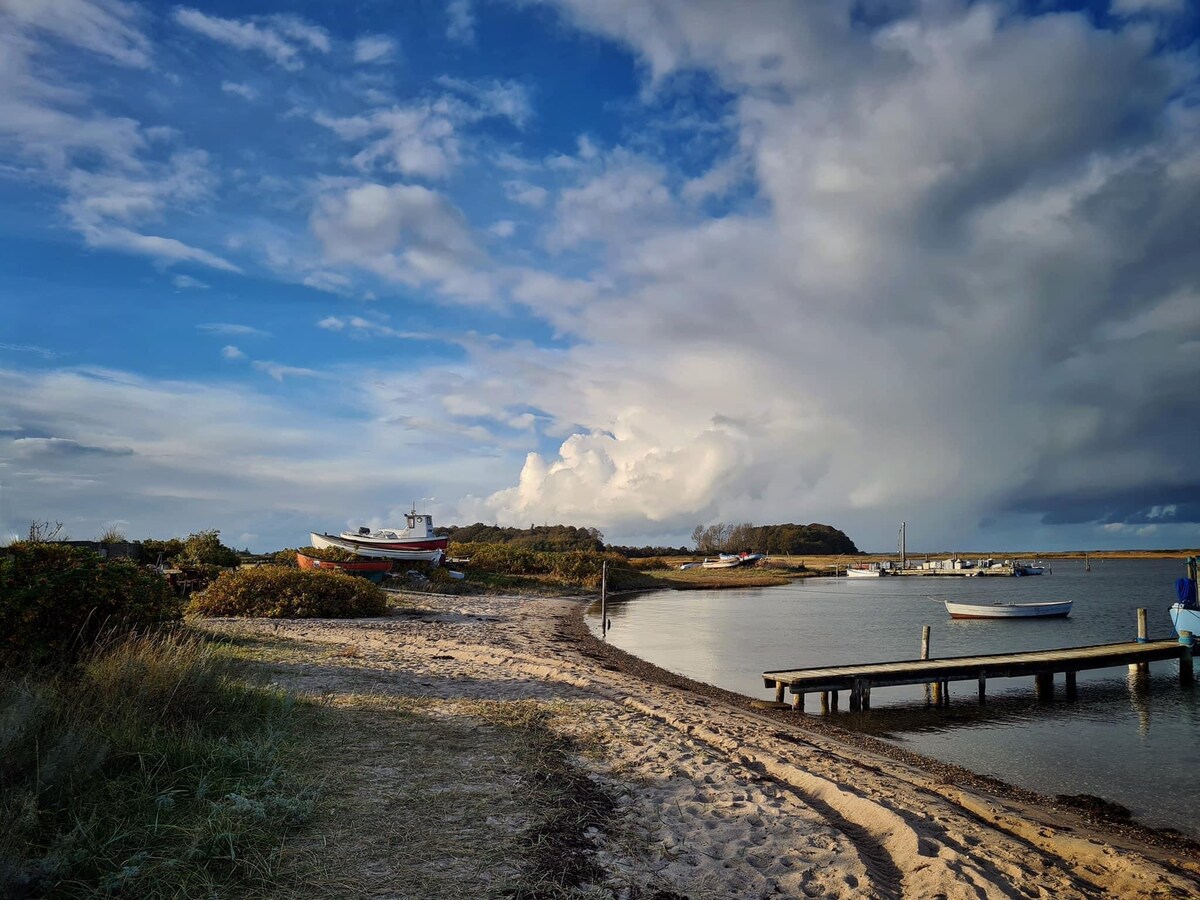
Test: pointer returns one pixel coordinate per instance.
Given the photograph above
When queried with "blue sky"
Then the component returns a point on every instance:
(636, 265)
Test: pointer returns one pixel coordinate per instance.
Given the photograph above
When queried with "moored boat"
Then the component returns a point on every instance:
(1051, 610)
(864, 572)
(1185, 612)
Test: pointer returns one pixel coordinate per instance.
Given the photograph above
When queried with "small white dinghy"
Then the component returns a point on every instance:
(1054, 609)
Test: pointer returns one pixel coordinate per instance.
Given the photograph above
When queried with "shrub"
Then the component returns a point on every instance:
(329, 554)
(204, 548)
(56, 599)
(579, 568)
(275, 592)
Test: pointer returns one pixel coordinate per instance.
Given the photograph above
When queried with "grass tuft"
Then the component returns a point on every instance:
(152, 770)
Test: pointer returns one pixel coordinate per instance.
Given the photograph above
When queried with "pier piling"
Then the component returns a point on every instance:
(1140, 667)
(1185, 659)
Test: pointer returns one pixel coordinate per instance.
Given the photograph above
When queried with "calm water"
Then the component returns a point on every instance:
(1129, 741)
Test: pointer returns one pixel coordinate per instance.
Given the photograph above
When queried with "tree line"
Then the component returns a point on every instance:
(789, 539)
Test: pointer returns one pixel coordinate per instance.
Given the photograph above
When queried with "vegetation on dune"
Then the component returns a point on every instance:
(575, 568)
(329, 554)
(150, 770)
(278, 592)
(547, 538)
(56, 599)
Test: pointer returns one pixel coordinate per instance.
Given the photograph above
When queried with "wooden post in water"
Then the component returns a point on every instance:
(982, 688)
(1044, 685)
(779, 688)
(925, 655)
(1141, 668)
(1185, 660)
(1070, 678)
(604, 599)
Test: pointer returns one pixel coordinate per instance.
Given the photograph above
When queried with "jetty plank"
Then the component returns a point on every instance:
(1041, 664)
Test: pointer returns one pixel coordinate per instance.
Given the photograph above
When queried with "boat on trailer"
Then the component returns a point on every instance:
(1058, 609)
(416, 541)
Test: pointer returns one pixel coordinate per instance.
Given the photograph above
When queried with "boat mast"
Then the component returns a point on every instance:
(903, 548)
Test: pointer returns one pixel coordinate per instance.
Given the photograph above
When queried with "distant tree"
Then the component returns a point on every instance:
(44, 532)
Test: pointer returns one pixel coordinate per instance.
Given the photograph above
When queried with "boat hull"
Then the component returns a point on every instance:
(373, 569)
(864, 573)
(1051, 610)
(1185, 619)
(321, 540)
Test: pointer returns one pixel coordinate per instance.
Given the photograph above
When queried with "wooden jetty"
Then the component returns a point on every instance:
(1041, 664)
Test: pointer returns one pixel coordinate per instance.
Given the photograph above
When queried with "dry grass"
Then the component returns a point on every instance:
(448, 799)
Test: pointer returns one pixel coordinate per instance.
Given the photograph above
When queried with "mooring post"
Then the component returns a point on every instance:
(925, 655)
(604, 598)
(1185, 659)
(1141, 668)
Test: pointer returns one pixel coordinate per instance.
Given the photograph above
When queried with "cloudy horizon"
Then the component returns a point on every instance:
(637, 265)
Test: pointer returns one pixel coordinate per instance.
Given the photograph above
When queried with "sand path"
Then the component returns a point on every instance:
(717, 801)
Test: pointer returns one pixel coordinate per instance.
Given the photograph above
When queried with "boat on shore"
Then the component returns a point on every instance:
(1051, 610)
(416, 541)
(731, 560)
(373, 569)
(375, 552)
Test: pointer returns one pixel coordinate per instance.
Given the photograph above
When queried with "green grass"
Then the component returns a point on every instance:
(154, 769)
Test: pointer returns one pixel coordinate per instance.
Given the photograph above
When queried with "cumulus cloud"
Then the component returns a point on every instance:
(404, 233)
(229, 351)
(968, 291)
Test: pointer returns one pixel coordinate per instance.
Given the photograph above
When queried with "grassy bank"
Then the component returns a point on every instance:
(151, 769)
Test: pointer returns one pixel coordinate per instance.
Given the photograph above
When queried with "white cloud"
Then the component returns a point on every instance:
(1137, 7)
(526, 194)
(281, 38)
(245, 91)
(403, 233)
(374, 48)
(503, 228)
(460, 21)
(229, 351)
(231, 328)
(107, 27)
(280, 371)
(901, 312)
(187, 282)
(418, 140)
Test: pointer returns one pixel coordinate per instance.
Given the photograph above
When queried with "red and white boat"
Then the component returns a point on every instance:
(416, 541)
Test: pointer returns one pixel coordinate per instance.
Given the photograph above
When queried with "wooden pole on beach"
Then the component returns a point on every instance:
(604, 598)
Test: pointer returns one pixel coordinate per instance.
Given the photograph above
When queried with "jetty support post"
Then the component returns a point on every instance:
(1141, 668)
(1070, 683)
(604, 601)
(925, 655)
(780, 687)
(1043, 684)
(1185, 659)
(833, 700)
(982, 688)
(825, 703)
(797, 700)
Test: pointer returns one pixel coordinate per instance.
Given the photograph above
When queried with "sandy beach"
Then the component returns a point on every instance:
(713, 798)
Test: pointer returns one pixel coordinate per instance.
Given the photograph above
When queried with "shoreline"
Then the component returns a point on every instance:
(713, 798)
(1095, 813)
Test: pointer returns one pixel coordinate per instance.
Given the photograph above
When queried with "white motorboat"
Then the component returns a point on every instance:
(866, 572)
(376, 552)
(415, 541)
(724, 561)
(1054, 609)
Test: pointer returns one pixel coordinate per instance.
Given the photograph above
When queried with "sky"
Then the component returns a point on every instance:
(635, 265)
